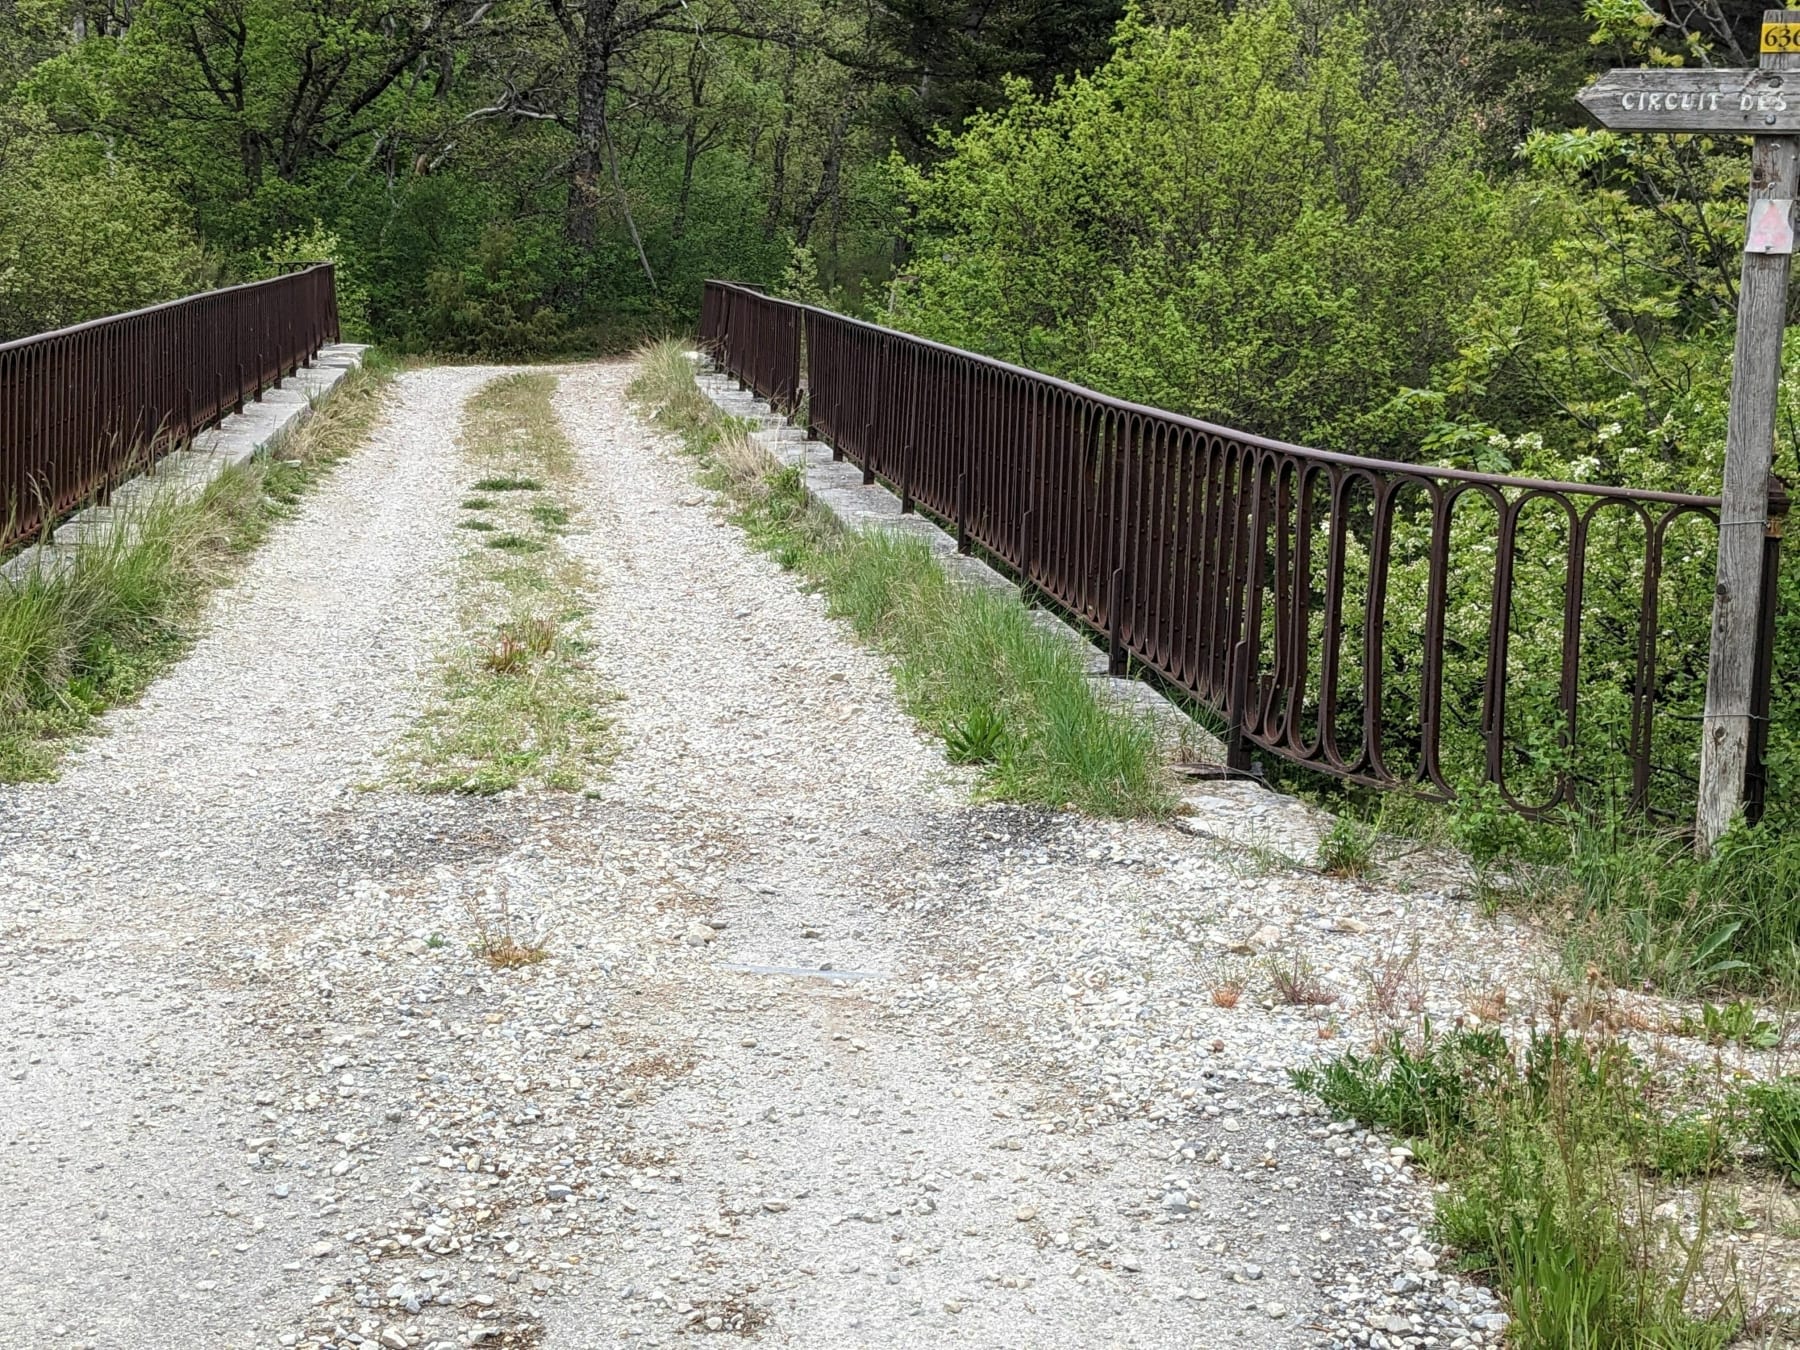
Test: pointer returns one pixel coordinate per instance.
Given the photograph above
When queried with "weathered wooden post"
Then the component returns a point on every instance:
(1763, 103)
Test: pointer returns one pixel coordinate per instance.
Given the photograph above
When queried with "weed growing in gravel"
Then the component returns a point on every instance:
(1547, 1153)
(1296, 983)
(515, 543)
(517, 704)
(95, 634)
(1348, 849)
(1776, 1120)
(969, 664)
(496, 943)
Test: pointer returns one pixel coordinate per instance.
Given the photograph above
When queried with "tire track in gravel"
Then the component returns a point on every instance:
(143, 891)
(319, 1120)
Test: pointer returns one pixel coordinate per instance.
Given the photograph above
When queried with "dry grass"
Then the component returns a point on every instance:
(1297, 984)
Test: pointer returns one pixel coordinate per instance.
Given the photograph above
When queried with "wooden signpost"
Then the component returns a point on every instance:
(1764, 103)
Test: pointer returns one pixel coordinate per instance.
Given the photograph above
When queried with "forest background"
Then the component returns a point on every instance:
(1377, 226)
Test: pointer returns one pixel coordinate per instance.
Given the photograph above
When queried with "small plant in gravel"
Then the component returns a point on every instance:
(1228, 984)
(977, 738)
(1394, 983)
(476, 524)
(515, 543)
(508, 482)
(496, 943)
(477, 503)
(1735, 1023)
(1775, 1122)
(1296, 983)
(1689, 1146)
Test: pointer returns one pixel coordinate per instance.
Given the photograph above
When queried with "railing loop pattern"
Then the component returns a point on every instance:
(1396, 625)
(83, 408)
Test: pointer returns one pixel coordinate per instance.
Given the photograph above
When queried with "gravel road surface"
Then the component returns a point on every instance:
(825, 1053)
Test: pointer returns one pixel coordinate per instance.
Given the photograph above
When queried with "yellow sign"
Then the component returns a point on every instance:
(1781, 37)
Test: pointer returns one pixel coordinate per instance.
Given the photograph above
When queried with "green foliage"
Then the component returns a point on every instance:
(1212, 201)
(82, 235)
(1422, 1093)
(1736, 1023)
(979, 738)
(1651, 912)
(1539, 1148)
(1776, 1123)
(1690, 1146)
(1348, 848)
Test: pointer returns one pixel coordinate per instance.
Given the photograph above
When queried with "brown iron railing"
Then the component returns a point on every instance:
(1392, 624)
(84, 407)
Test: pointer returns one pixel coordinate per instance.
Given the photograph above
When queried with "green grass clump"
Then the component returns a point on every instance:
(1348, 849)
(1776, 1123)
(477, 503)
(968, 663)
(79, 640)
(515, 543)
(550, 515)
(517, 705)
(477, 524)
(1650, 912)
(1548, 1155)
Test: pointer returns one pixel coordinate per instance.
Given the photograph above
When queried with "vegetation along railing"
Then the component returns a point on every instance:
(1392, 624)
(84, 407)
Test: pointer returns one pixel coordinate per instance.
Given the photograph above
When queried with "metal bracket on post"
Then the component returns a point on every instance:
(962, 513)
(1116, 664)
(1756, 768)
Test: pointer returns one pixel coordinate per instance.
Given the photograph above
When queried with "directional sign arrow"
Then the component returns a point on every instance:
(1732, 102)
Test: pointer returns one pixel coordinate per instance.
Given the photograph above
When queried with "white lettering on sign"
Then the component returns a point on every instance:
(1767, 102)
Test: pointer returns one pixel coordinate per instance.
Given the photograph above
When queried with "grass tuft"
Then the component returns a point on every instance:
(1348, 849)
(969, 664)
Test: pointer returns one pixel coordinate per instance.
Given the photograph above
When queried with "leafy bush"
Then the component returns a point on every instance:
(1215, 201)
(83, 235)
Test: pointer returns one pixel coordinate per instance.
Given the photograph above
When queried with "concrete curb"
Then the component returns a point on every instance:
(838, 486)
(184, 475)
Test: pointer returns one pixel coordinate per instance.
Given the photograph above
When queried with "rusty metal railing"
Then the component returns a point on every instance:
(84, 407)
(1396, 625)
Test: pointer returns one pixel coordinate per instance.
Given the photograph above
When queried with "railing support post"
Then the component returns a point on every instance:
(1116, 664)
(1756, 770)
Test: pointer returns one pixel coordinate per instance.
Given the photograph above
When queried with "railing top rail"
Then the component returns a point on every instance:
(1333, 457)
(74, 328)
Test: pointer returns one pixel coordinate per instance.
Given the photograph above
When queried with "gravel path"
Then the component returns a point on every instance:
(823, 1055)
